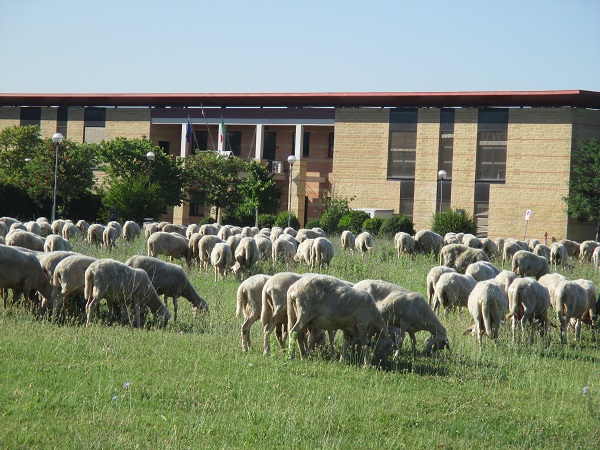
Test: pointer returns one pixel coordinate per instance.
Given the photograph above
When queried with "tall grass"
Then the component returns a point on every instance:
(191, 386)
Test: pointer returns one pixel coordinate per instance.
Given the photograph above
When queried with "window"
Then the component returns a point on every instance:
(62, 119)
(94, 124)
(407, 197)
(330, 147)
(196, 203)
(446, 149)
(165, 145)
(270, 145)
(305, 144)
(491, 145)
(402, 144)
(482, 198)
(31, 116)
(199, 141)
(234, 142)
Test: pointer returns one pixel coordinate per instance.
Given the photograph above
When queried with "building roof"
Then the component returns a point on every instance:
(564, 98)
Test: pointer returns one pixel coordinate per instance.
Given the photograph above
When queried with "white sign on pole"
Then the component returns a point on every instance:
(527, 214)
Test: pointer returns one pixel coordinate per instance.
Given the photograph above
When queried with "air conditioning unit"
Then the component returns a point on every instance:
(277, 167)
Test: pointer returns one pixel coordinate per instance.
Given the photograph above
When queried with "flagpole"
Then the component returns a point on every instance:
(208, 128)
(193, 132)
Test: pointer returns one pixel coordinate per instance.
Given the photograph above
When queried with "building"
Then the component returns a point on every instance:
(504, 152)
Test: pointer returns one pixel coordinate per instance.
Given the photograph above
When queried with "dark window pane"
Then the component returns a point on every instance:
(330, 148)
(165, 145)
(94, 117)
(199, 141)
(31, 116)
(234, 142)
(270, 145)
(62, 119)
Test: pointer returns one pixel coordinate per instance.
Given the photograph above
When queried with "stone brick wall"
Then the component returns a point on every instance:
(9, 117)
(127, 122)
(48, 122)
(464, 159)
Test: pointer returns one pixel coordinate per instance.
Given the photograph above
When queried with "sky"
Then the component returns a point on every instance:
(175, 46)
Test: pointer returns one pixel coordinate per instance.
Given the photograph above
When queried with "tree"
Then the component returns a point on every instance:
(259, 192)
(217, 177)
(134, 198)
(583, 200)
(16, 144)
(334, 208)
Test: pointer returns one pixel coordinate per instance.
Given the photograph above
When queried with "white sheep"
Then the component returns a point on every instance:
(542, 250)
(55, 242)
(123, 286)
(171, 245)
(472, 241)
(348, 241)
(276, 232)
(571, 246)
(265, 246)
(596, 257)
(83, 227)
(321, 253)
(450, 238)
(432, 278)
(69, 279)
(489, 247)
(174, 228)
(459, 256)
(70, 231)
(570, 301)
(364, 242)
(283, 250)
(453, 290)
(550, 281)
(499, 241)
(117, 226)
(95, 234)
(558, 254)
(510, 248)
(404, 243)
(379, 289)
(57, 226)
(482, 270)
(49, 261)
(506, 277)
(246, 255)
(25, 239)
(233, 241)
(531, 244)
(304, 252)
(193, 228)
(427, 241)
(487, 304)
(586, 249)
(109, 237)
(209, 229)
(590, 316)
(528, 300)
(150, 229)
(131, 231)
(294, 233)
(249, 303)
(169, 280)
(304, 234)
(525, 264)
(220, 258)
(205, 248)
(33, 227)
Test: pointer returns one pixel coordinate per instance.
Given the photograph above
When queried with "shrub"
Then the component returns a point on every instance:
(372, 225)
(335, 208)
(352, 221)
(313, 223)
(282, 220)
(266, 221)
(395, 224)
(453, 221)
(207, 220)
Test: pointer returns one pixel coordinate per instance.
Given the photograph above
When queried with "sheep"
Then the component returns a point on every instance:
(525, 263)
(427, 241)
(506, 277)
(453, 290)
(528, 300)
(70, 231)
(224, 233)
(404, 243)
(283, 250)
(22, 272)
(171, 245)
(95, 234)
(596, 257)
(150, 229)
(25, 239)
(489, 247)
(117, 226)
(432, 277)
(327, 303)
(69, 279)
(8, 221)
(590, 316)
(499, 245)
(57, 226)
(304, 252)
(208, 229)
(510, 248)
(459, 256)
(294, 233)
(193, 228)
(123, 286)
(3, 229)
(246, 255)
(487, 304)
(249, 303)
(205, 248)
(304, 234)
(18, 226)
(33, 227)
(348, 241)
(220, 258)
(586, 249)
(131, 231)
(265, 246)
(109, 237)
(364, 242)
(273, 315)
(572, 247)
(449, 238)
(531, 244)
(247, 232)
(410, 312)
(379, 289)
(233, 241)
(174, 228)
(472, 241)
(550, 281)
(558, 254)
(83, 227)
(289, 238)
(54, 243)
(570, 301)
(49, 260)
(162, 224)
(276, 232)
(169, 280)
(482, 270)
(321, 253)
(542, 250)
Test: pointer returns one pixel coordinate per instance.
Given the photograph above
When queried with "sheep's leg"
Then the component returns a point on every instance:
(514, 327)
(331, 334)
(577, 329)
(246, 333)
(267, 334)
(90, 309)
(175, 308)
(413, 341)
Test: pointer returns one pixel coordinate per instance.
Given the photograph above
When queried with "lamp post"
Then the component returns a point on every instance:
(150, 156)
(292, 160)
(57, 138)
(441, 176)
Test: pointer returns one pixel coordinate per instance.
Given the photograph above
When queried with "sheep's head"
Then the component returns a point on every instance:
(436, 343)
(198, 309)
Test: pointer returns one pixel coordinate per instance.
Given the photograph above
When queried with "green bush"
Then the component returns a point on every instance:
(282, 220)
(266, 220)
(207, 220)
(453, 221)
(352, 221)
(313, 223)
(372, 225)
(335, 208)
(395, 224)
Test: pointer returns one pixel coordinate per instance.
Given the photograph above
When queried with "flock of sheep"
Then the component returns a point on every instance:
(374, 315)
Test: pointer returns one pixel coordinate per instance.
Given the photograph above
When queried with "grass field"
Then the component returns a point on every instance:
(191, 386)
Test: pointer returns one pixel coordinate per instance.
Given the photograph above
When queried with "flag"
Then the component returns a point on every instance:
(189, 132)
(223, 131)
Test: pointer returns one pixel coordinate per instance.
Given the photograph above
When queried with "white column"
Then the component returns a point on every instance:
(184, 144)
(299, 143)
(260, 141)
(222, 138)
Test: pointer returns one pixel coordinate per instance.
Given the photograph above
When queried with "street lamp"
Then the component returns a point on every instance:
(150, 156)
(57, 138)
(292, 160)
(441, 176)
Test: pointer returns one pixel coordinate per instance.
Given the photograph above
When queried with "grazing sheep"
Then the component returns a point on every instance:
(531, 244)
(550, 281)
(224, 232)
(283, 250)
(109, 237)
(209, 230)
(246, 255)
(327, 303)
(25, 239)
(169, 280)
(49, 261)
(233, 241)
(168, 244)
(506, 277)
(274, 314)
(17, 226)
(220, 258)
(249, 303)
(33, 227)
(348, 241)
(453, 290)
(472, 241)
(265, 246)
(487, 304)
(558, 254)
(542, 250)
(57, 226)
(70, 231)
(123, 286)
(205, 248)
(304, 234)
(482, 270)
(489, 247)
(499, 245)
(276, 232)
(55, 242)
(526, 264)
(3, 229)
(289, 238)
(596, 257)
(131, 231)
(410, 312)
(247, 232)
(570, 301)
(404, 243)
(95, 234)
(193, 228)
(459, 256)
(432, 278)
(150, 229)
(528, 300)
(510, 248)
(450, 238)
(590, 316)
(321, 253)
(427, 241)
(69, 279)
(586, 249)
(304, 251)
(294, 233)
(117, 226)
(174, 228)
(83, 227)
(364, 242)
(571, 246)
(379, 289)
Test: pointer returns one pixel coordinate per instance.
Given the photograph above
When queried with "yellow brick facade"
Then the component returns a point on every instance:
(127, 122)
(9, 117)
(48, 122)
(464, 159)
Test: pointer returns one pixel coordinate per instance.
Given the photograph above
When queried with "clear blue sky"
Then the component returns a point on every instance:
(129, 46)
